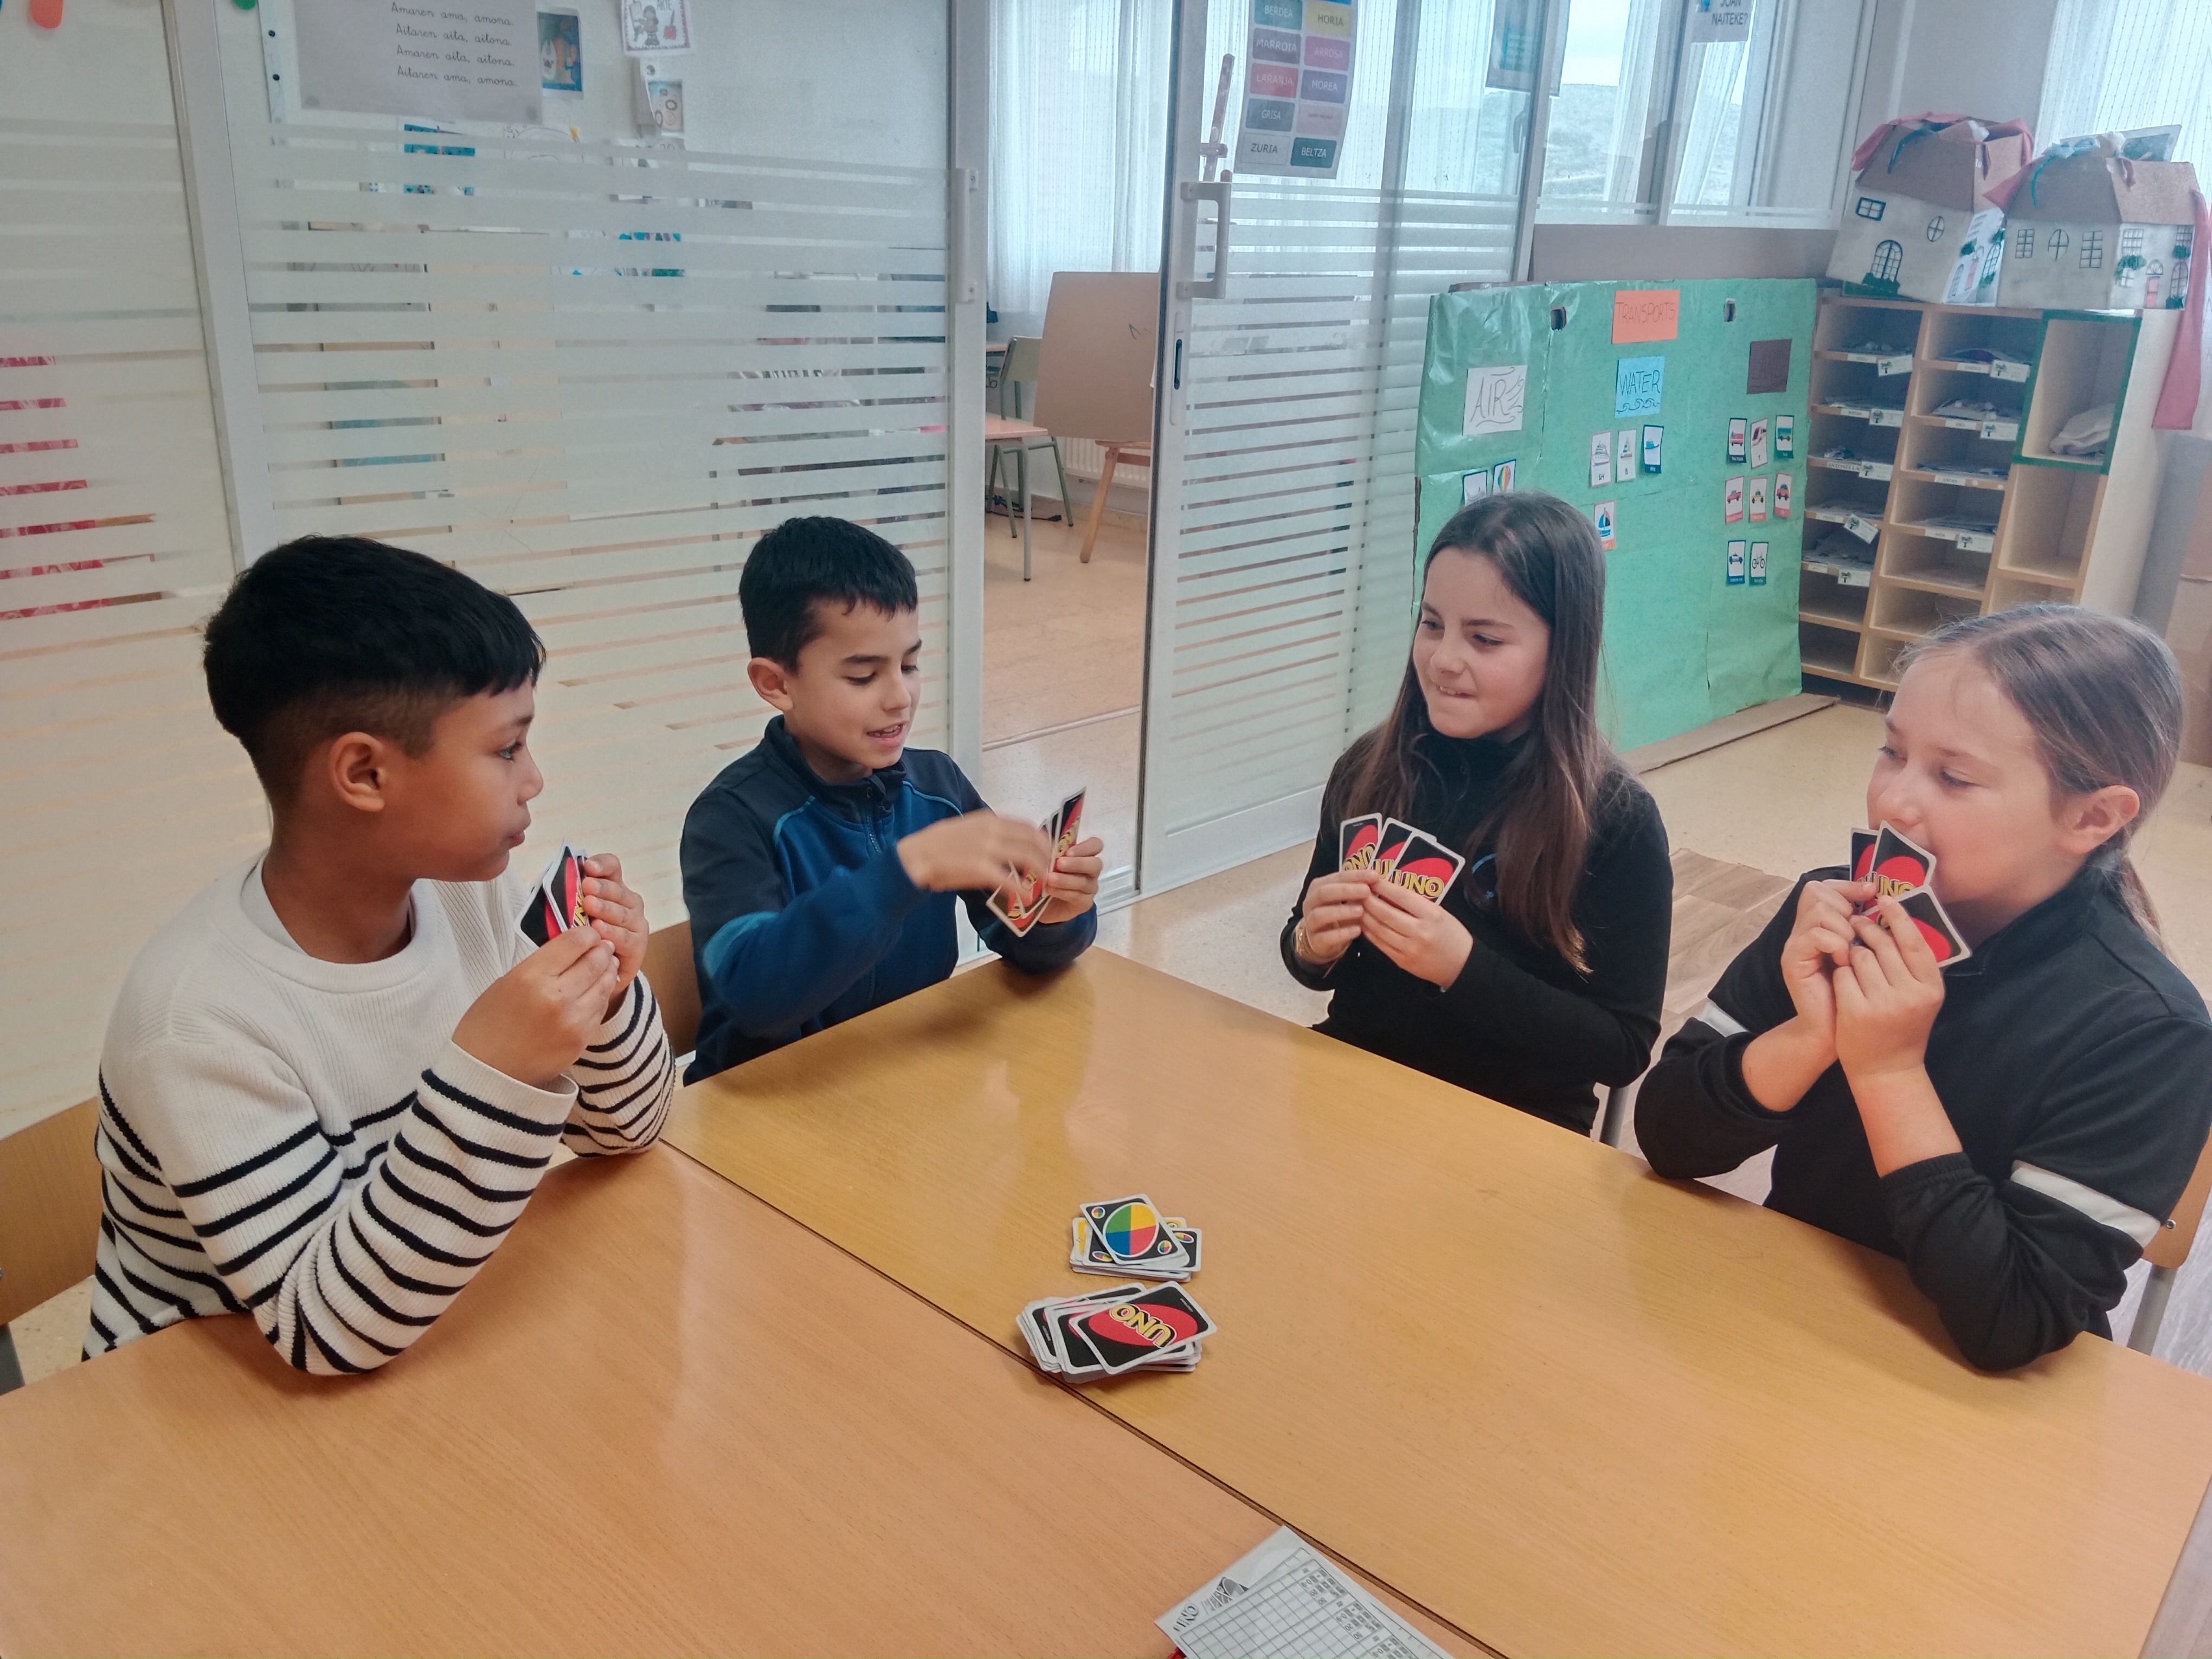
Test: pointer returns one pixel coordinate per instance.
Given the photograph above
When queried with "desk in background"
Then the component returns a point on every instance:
(1567, 1405)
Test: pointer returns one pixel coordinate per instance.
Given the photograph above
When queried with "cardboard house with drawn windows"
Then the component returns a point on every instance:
(2096, 231)
(1917, 221)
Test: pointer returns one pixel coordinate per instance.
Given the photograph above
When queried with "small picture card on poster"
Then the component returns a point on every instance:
(1623, 456)
(1758, 564)
(1785, 487)
(1602, 516)
(1653, 438)
(1758, 441)
(1474, 486)
(1737, 557)
(1756, 500)
(1736, 440)
(1785, 437)
(1501, 476)
(655, 28)
(1732, 500)
(1601, 459)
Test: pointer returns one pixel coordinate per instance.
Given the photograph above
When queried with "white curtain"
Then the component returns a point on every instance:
(1078, 143)
(2119, 63)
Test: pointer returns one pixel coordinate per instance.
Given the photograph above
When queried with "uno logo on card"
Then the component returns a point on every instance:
(1899, 874)
(1428, 877)
(1359, 852)
(1155, 1327)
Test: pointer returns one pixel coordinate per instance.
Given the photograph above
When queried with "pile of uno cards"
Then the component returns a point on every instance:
(1129, 1327)
(1020, 899)
(1121, 1237)
(1906, 872)
(556, 903)
(1122, 1329)
(1403, 855)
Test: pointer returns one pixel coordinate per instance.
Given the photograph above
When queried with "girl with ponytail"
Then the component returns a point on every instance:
(1538, 972)
(2019, 1125)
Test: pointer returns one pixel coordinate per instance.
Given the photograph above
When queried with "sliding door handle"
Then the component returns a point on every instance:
(1192, 193)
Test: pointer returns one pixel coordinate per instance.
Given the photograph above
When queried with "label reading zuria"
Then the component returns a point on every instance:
(1297, 87)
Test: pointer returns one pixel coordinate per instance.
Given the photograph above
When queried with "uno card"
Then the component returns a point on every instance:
(1927, 914)
(1077, 1358)
(1018, 901)
(1426, 865)
(1068, 826)
(1356, 839)
(1133, 1231)
(556, 903)
(1863, 843)
(1395, 837)
(1133, 1330)
(1899, 866)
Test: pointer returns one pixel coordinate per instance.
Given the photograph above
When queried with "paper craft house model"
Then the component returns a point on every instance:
(2095, 230)
(1917, 223)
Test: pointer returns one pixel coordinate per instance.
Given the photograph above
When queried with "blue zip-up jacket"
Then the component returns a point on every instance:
(802, 915)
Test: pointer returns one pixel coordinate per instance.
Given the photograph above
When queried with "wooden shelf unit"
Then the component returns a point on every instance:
(1968, 514)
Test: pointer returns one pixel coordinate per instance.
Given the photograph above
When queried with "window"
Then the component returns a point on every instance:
(1935, 228)
(1887, 257)
(1870, 207)
(2024, 243)
(2116, 64)
(2059, 243)
(2131, 242)
(1650, 122)
(2093, 250)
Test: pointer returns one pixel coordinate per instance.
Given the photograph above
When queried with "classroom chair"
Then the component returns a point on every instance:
(1019, 370)
(49, 1218)
(673, 973)
(2167, 1252)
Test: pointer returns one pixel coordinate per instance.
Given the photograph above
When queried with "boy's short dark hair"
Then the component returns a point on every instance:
(805, 560)
(334, 634)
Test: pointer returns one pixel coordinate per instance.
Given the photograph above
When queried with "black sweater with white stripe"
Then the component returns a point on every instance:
(2074, 1062)
(300, 1140)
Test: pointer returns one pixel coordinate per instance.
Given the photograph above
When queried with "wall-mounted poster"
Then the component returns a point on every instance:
(655, 28)
(560, 52)
(1297, 87)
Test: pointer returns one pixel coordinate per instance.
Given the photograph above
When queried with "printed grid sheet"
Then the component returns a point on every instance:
(1304, 1607)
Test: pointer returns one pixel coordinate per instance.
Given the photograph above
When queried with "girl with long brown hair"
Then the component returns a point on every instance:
(2018, 1125)
(1539, 972)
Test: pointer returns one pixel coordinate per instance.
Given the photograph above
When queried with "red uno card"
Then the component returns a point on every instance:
(1935, 927)
(1392, 842)
(1129, 1331)
(1901, 866)
(1426, 865)
(556, 902)
(1067, 826)
(1862, 855)
(1356, 839)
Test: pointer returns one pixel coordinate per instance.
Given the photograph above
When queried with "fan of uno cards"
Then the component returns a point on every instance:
(556, 903)
(1902, 869)
(1404, 855)
(1019, 901)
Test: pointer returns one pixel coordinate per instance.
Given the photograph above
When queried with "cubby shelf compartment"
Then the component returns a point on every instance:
(2068, 528)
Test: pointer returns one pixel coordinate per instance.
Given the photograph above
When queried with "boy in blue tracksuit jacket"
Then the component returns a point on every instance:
(820, 868)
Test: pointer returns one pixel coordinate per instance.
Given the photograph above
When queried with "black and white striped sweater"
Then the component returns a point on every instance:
(300, 1140)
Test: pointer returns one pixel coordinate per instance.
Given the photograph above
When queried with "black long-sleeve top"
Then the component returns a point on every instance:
(1519, 1024)
(2074, 1062)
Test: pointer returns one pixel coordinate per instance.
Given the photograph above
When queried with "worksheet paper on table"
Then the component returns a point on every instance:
(1285, 1598)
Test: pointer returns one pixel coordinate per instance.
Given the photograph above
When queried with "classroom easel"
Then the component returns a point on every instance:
(1095, 370)
(1140, 455)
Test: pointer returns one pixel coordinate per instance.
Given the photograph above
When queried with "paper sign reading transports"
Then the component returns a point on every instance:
(474, 61)
(1494, 397)
(1646, 313)
(1297, 87)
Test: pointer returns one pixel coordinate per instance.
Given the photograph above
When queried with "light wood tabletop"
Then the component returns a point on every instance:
(664, 1419)
(1562, 1403)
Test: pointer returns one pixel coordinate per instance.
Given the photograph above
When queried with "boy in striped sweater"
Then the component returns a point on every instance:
(331, 1083)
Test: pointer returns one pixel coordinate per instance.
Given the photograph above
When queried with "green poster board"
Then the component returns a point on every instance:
(1683, 644)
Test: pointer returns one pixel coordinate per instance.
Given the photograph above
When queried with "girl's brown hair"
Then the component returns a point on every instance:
(2103, 696)
(1548, 555)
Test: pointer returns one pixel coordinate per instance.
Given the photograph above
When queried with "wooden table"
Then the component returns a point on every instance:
(1564, 1404)
(663, 1419)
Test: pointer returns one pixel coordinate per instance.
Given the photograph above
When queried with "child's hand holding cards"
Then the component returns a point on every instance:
(1023, 898)
(556, 903)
